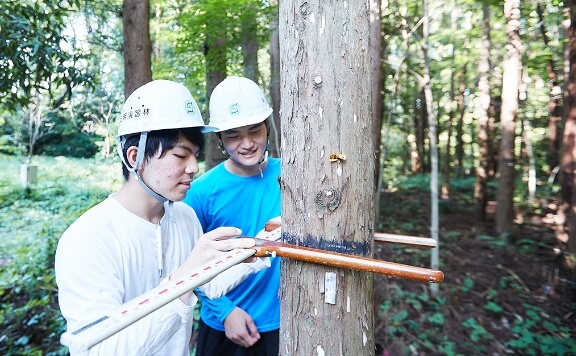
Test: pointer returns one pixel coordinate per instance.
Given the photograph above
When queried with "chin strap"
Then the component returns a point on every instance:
(264, 159)
(134, 170)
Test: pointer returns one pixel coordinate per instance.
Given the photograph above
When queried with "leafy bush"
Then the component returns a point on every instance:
(34, 219)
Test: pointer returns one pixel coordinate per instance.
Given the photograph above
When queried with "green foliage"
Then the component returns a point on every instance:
(33, 57)
(34, 219)
(477, 332)
(558, 340)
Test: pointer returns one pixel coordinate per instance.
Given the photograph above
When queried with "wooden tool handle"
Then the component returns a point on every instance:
(273, 248)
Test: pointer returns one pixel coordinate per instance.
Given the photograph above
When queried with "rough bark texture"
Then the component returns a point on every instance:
(567, 230)
(215, 53)
(137, 45)
(377, 83)
(483, 105)
(275, 142)
(250, 41)
(554, 106)
(510, 87)
(326, 109)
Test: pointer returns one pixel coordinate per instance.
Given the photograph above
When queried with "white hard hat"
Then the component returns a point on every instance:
(160, 105)
(237, 102)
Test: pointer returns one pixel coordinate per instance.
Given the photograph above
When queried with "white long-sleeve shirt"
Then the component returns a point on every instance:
(110, 256)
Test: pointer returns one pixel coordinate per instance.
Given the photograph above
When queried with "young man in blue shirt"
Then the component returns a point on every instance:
(242, 191)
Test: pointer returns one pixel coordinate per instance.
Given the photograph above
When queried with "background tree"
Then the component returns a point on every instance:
(511, 81)
(567, 229)
(483, 105)
(137, 46)
(326, 109)
(32, 57)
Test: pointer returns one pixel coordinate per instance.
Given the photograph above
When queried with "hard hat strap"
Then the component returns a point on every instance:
(139, 159)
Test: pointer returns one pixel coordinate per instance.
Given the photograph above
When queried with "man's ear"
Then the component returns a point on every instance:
(131, 155)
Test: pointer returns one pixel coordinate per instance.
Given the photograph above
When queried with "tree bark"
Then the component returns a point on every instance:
(329, 204)
(215, 54)
(554, 106)
(510, 88)
(249, 32)
(567, 230)
(483, 106)
(377, 82)
(137, 45)
(432, 137)
(275, 142)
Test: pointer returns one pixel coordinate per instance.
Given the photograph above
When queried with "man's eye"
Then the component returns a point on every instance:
(179, 156)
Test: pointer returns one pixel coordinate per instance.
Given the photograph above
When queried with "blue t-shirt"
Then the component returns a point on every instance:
(221, 198)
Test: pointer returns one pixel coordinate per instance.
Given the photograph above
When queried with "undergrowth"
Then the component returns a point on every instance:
(32, 220)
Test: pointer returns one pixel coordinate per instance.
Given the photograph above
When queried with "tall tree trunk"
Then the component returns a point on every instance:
(510, 88)
(567, 230)
(326, 109)
(460, 123)
(447, 159)
(446, 166)
(434, 257)
(249, 31)
(137, 46)
(554, 107)
(419, 129)
(275, 143)
(377, 85)
(215, 54)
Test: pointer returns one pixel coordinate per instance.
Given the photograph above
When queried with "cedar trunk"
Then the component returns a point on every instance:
(484, 67)
(215, 54)
(137, 46)
(275, 144)
(567, 230)
(326, 109)
(510, 87)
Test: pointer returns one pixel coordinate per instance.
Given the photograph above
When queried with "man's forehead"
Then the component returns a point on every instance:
(185, 144)
(247, 127)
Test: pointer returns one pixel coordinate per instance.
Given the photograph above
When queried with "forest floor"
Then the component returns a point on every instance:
(490, 287)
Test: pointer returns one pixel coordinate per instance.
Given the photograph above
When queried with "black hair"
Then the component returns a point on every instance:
(162, 140)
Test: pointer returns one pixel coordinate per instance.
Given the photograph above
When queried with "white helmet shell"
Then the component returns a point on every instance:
(237, 102)
(160, 105)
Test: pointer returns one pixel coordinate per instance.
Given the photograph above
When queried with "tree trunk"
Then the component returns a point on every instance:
(446, 166)
(459, 164)
(215, 54)
(554, 107)
(434, 256)
(137, 45)
(377, 85)
(483, 106)
(510, 88)
(275, 143)
(326, 109)
(250, 40)
(417, 154)
(567, 230)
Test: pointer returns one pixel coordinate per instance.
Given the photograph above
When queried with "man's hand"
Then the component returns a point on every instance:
(211, 245)
(240, 328)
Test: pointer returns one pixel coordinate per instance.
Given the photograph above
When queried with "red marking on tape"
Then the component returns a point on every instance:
(218, 262)
(207, 268)
(124, 312)
(163, 291)
(144, 301)
(180, 282)
(194, 275)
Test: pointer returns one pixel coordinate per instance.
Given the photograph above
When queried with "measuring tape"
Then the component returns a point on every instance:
(137, 308)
